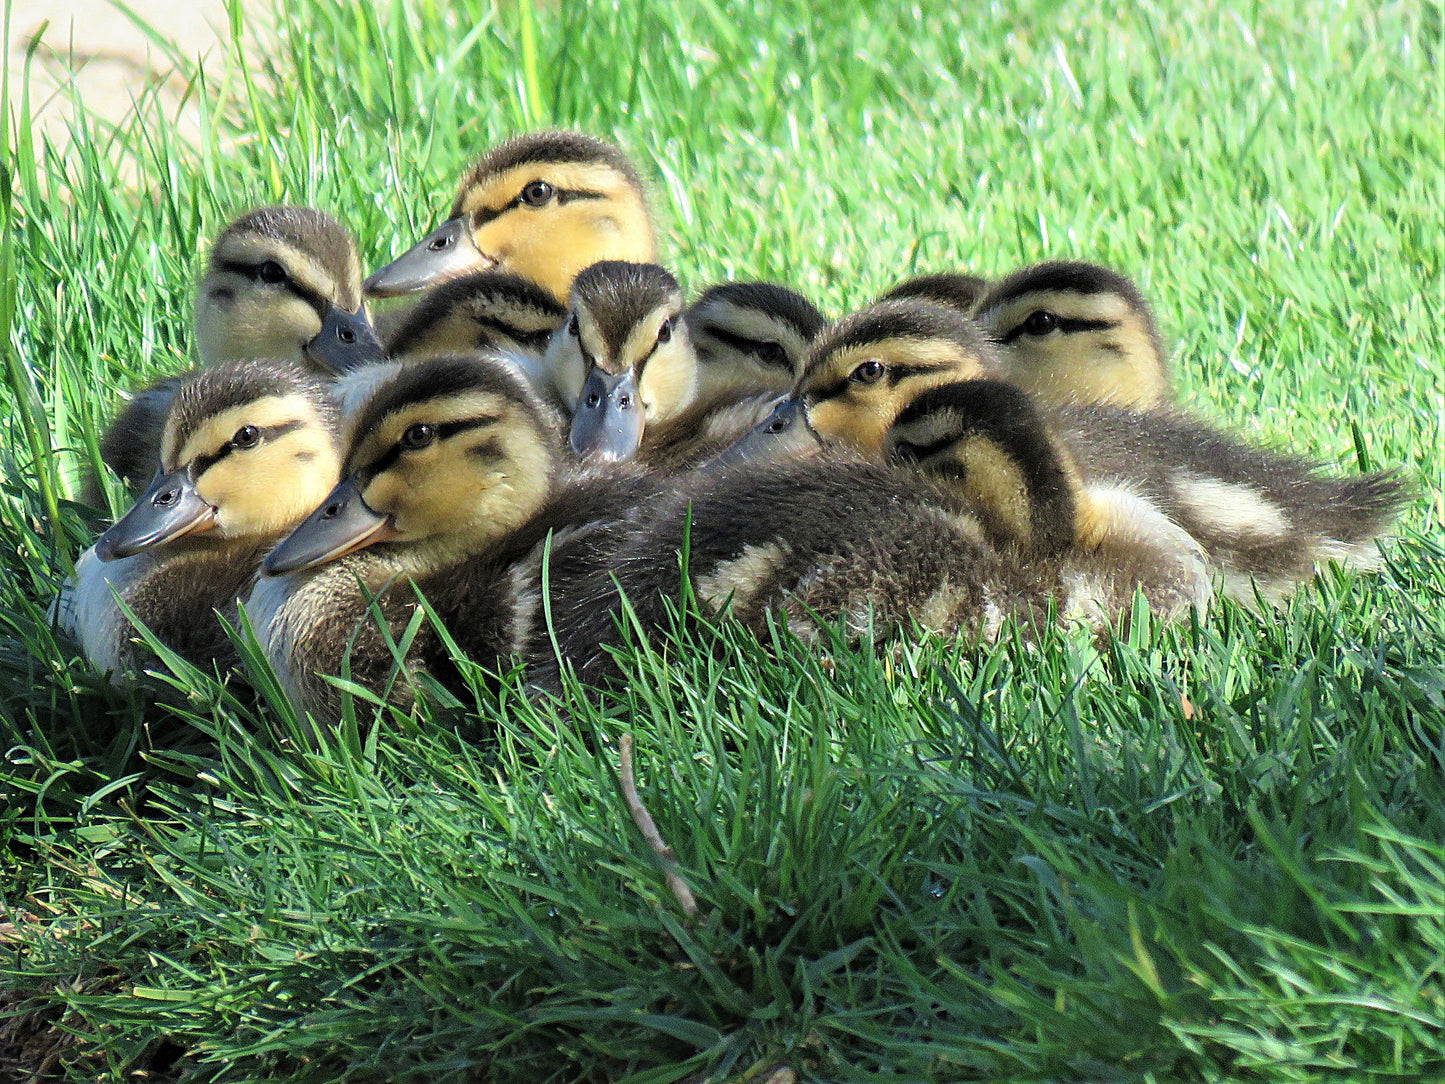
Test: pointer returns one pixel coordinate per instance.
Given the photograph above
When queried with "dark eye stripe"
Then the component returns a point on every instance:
(482, 215)
(744, 345)
(444, 431)
(252, 271)
(203, 463)
(1064, 324)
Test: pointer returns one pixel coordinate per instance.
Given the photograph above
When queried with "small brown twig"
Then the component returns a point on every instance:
(648, 827)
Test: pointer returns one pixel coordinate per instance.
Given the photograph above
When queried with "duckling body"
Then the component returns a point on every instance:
(1266, 519)
(458, 490)
(543, 206)
(247, 450)
(1260, 517)
(283, 284)
(831, 539)
(1074, 333)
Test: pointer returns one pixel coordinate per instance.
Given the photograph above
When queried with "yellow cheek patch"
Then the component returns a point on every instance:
(852, 423)
(993, 483)
(669, 382)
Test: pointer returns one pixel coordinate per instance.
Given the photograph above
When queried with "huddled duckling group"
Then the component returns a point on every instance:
(552, 428)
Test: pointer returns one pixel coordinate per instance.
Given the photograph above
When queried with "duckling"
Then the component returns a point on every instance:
(282, 283)
(862, 371)
(543, 206)
(456, 488)
(990, 440)
(1074, 332)
(1264, 519)
(248, 449)
(624, 358)
(750, 339)
(947, 289)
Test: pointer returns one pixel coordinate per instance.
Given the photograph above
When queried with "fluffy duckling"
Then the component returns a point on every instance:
(624, 357)
(248, 449)
(1079, 333)
(543, 206)
(1264, 519)
(456, 487)
(947, 289)
(990, 441)
(282, 283)
(862, 371)
(750, 340)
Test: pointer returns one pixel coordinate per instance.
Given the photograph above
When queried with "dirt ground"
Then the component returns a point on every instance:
(95, 48)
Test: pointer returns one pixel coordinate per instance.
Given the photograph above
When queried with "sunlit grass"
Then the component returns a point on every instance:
(1201, 853)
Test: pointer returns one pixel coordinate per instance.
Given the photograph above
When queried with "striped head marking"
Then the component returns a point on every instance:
(453, 452)
(865, 369)
(485, 311)
(751, 339)
(987, 439)
(275, 276)
(1077, 333)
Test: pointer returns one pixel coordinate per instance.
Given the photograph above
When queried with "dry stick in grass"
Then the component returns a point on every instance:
(648, 827)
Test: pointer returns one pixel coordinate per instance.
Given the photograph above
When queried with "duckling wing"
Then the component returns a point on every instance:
(1261, 515)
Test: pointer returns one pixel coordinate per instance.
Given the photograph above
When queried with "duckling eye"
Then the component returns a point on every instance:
(770, 353)
(574, 327)
(248, 436)
(537, 193)
(1040, 323)
(664, 333)
(271, 271)
(870, 372)
(418, 436)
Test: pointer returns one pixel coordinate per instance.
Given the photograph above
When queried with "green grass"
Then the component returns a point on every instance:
(1033, 863)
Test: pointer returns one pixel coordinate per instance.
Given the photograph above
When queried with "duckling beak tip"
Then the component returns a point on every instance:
(608, 424)
(346, 341)
(448, 252)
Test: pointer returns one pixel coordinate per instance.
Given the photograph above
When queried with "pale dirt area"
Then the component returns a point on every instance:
(92, 49)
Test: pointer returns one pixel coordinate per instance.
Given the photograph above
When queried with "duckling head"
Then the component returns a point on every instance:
(285, 283)
(624, 357)
(1073, 332)
(248, 450)
(482, 312)
(448, 455)
(866, 368)
(989, 440)
(543, 206)
(947, 289)
(751, 339)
